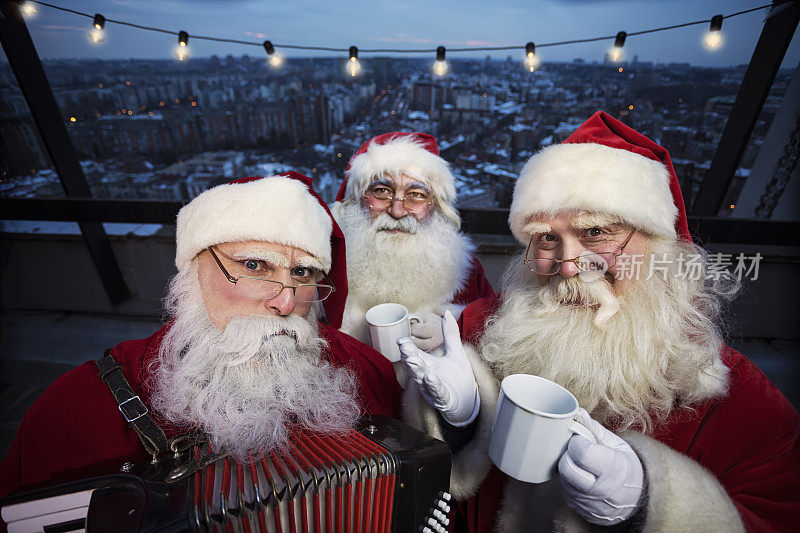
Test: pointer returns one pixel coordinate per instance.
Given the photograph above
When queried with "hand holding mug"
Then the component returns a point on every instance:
(387, 323)
(446, 382)
(533, 423)
(427, 332)
(602, 480)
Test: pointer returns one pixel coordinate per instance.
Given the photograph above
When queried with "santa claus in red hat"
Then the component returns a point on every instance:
(242, 356)
(397, 210)
(688, 435)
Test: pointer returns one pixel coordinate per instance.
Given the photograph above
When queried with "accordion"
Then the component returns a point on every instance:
(383, 476)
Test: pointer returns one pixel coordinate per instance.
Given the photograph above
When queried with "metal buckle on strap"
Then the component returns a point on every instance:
(141, 409)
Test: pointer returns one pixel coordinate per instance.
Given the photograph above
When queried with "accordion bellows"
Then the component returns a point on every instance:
(382, 477)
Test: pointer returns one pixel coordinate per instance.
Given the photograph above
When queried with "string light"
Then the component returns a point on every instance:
(353, 67)
(713, 39)
(97, 33)
(440, 66)
(182, 52)
(28, 9)
(531, 61)
(273, 58)
(619, 41)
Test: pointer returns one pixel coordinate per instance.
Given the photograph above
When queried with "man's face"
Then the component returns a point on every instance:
(275, 262)
(568, 236)
(408, 197)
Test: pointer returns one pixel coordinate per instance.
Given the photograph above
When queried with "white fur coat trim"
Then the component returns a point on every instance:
(276, 209)
(400, 155)
(595, 178)
(682, 496)
(471, 464)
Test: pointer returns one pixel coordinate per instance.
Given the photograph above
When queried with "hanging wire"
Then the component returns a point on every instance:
(400, 50)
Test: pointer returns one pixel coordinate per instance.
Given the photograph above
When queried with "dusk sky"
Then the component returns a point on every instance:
(406, 24)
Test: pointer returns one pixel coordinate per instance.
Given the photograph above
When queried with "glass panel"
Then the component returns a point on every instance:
(168, 129)
(766, 184)
(24, 161)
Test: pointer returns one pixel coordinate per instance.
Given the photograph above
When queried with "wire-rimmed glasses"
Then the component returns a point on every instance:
(258, 288)
(381, 197)
(586, 262)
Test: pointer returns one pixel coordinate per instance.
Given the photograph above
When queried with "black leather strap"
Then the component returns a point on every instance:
(131, 406)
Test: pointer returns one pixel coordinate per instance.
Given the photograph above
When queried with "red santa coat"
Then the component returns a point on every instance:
(728, 462)
(76, 424)
(476, 287)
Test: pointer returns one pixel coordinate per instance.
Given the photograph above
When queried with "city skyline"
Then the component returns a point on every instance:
(407, 25)
(163, 129)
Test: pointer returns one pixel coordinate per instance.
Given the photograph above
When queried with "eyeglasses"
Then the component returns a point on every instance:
(266, 289)
(586, 262)
(381, 197)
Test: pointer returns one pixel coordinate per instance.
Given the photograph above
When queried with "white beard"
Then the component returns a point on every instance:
(422, 268)
(629, 360)
(245, 386)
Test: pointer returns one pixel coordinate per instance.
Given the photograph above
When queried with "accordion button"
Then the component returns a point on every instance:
(177, 472)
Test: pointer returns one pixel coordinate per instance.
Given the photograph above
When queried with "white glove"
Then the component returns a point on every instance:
(446, 381)
(427, 335)
(602, 481)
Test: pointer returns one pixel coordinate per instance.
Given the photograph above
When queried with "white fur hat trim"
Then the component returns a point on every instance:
(402, 154)
(595, 178)
(276, 209)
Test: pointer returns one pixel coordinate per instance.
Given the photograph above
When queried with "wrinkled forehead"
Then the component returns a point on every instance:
(279, 255)
(400, 182)
(575, 220)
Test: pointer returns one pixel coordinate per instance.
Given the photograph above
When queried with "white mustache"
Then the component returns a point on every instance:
(274, 333)
(574, 291)
(384, 221)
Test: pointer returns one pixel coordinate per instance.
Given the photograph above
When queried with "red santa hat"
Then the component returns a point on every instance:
(606, 167)
(413, 154)
(281, 209)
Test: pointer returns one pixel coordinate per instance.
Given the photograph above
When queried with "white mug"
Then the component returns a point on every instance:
(387, 323)
(533, 422)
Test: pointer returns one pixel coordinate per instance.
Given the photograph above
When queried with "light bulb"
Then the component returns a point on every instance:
(712, 40)
(97, 36)
(353, 67)
(616, 52)
(182, 51)
(273, 58)
(440, 68)
(28, 9)
(531, 61)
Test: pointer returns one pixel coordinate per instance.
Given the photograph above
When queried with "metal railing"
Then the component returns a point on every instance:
(89, 213)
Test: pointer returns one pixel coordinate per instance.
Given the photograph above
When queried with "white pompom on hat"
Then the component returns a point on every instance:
(605, 167)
